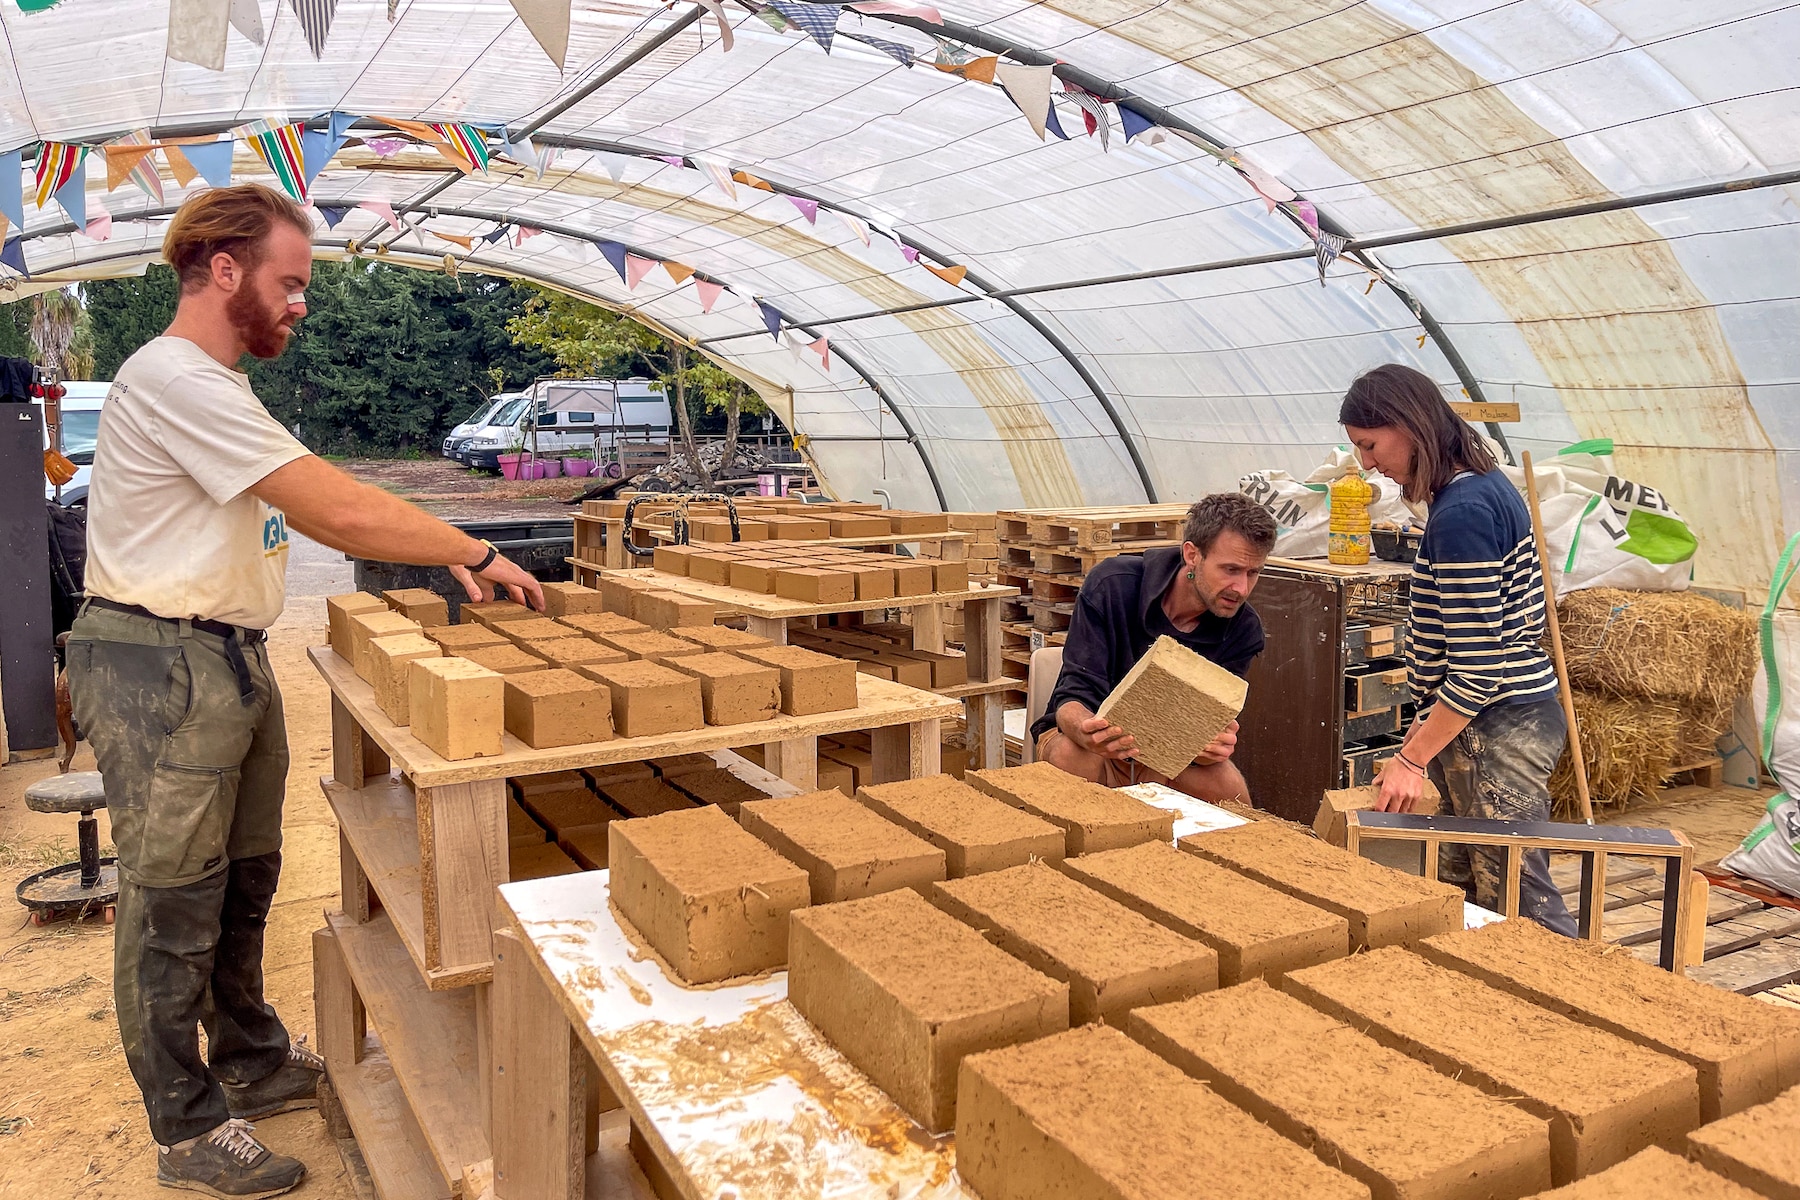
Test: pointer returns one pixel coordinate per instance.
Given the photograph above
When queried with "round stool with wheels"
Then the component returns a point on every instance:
(91, 883)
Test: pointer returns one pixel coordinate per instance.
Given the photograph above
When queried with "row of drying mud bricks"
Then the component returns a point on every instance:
(1500, 1061)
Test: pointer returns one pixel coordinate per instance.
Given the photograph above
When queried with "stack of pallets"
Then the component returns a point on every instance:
(982, 553)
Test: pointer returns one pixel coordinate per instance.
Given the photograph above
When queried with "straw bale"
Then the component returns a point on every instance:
(1629, 746)
(1676, 646)
(1698, 730)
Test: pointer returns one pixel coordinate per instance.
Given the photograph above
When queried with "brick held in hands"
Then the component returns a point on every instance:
(672, 610)
(1605, 1098)
(575, 651)
(388, 659)
(1385, 907)
(507, 659)
(848, 851)
(814, 585)
(646, 798)
(976, 832)
(905, 993)
(419, 604)
(1113, 959)
(1368, 1110)
(1091, 1115)
(492, 612)
(460, 639)
(550, 708)
(457, 707)
(721, 637)
(649, 699)
(711, 899)
(1255, 929)
(1093, 817)
(571, 599)
(1174, 703)
(338, 611)
(365, 627)
(1746, 1051)
(810, 683)
(1756, 1147)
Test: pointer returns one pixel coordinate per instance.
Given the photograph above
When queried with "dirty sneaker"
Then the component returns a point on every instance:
(295, 1084)
(227, 1162)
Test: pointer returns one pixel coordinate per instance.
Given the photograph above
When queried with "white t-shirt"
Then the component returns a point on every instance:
(171, 526)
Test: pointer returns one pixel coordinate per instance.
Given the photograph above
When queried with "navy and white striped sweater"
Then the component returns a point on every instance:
(1477, 622)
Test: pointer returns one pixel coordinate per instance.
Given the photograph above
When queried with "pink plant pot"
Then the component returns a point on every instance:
(550, 468)
(578, 468)
(510, 466)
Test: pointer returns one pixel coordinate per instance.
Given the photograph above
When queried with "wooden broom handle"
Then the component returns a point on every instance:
(1556, 647)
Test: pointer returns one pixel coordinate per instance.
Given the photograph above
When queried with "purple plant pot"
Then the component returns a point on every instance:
(551, 467)
(578, 468)
(510, 466)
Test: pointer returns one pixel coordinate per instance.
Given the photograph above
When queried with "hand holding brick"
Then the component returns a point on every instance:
(1174, 703)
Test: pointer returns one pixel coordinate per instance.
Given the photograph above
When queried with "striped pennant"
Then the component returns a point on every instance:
(818, 21)
(466, 142)
(283, 150)
(1326, 250)
(55, 166)
(315, 22)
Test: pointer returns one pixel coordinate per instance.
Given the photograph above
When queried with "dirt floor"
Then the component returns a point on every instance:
(456, 492)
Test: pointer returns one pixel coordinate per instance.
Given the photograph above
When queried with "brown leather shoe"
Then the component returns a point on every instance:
(227, 1162)
(295, 1084)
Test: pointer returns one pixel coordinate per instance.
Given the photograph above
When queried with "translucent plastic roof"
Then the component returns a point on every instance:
(1588, 209)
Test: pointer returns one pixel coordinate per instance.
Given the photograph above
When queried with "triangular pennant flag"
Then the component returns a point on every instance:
(12, 187)
(819, 21)
(548, 21)
(315, 151)
(1029, 88)
(1271, 189)
(950, 275)
(709, 293)
(771, 319)
(281, 149)
(636, 267)
(981, 70)
(855, 226)
(384, 210)
(467, 243)
(12, 254)
(338, 124)
(99, 226)
(823, 349)
(674, 160)
(679, 272)
(385, 147)
(144, 174)
(612, 163)
(910, 253)
(1093, 114)
(1134, 121)
(900, 53)
(419, 129)
(808, 208)
(718, 173)
(794, 345)
(1054, 125)
(197, 30)
(1326, 250)
(718, 12)
(466, 142)
(922, 11)
(121, 160)
(1308, 213)
(55, 166)
(211, 159)
(73, 195)
(333, 213)
(524, 233)
(615, 254)
(749, 180)
(315, 22)
(773, 20)
(179, 166)
(246, 18)
(949, 54)
(493, 235)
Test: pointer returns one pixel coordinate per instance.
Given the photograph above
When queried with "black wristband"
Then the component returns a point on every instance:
(487, 559)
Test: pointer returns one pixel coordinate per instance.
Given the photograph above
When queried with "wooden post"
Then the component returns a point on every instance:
(1556, 646)
(355, 757)
(1695, 899)
(354, 895)
(981, 640)
(773, 628)
(338, 1013)
(539, 1085)
(984, 731)
(462, 858)
(614, 545)
(1428, 859)
(795, 760)
(928, 628)
(906, 751)
(1509, 895)
(1593, 894)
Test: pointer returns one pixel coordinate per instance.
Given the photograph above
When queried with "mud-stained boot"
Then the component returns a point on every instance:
(295, 1084)
(227, 1162)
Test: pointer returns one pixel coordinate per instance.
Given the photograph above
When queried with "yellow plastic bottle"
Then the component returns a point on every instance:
(1349, 538)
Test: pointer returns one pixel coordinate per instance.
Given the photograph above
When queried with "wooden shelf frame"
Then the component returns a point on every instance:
(612, 554)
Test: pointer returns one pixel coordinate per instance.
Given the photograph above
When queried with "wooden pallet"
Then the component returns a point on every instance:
(1089, 528)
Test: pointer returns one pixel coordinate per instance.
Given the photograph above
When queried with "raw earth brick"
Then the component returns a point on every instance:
(531, 629)
(858, 762)
(521, 830)
(539, 862)
(599, 777)
(810, 683)
(457, 707)
(649, 699)
(814, 585)
(460, 639)
(492, 612)
(848, 851)
(338, 611)
(756, 577)
(646, 798)
(388, 657)
(976, 832)
(364, 627)
(671, 610)
(913, 579)
(545, 709)
(1093, 817)
(673, 766)
(653, 645)
(570, 808)
(720, 787)
(1757, 1147)
(671, 560)
(1174, 703)
(871, 582)
(710, 568)
(854, 525)
(601, 624)
(1654, 1174)
(721, 637)
(506, 660)
(570, 599)
(574, 652)
(588, 845)
(419, 604)
(617, 588)
(947, 576)
(903, 521)
(733, 690)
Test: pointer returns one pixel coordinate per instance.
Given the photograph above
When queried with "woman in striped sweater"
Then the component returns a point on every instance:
(1490, 728)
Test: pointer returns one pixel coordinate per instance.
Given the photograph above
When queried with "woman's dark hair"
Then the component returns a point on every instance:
(1405, 399)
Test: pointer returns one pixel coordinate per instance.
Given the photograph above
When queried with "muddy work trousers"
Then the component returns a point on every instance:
(1498, 768)
(193, 750)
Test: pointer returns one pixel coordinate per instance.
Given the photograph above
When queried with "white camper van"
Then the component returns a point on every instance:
(566, 415)
(459, 437)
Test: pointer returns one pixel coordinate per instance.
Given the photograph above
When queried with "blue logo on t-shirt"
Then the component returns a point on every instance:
(275, 538)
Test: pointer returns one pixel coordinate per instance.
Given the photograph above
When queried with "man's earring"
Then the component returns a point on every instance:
(1190, 576)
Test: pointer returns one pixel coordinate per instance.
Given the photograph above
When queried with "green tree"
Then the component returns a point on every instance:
(15, 329)
(126, 313)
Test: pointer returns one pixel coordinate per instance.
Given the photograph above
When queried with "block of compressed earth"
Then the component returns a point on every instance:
(507, 659)
(599, 777)
(789, 529)
(365, 627)
(972, 521)
(814, 585)
(906, 992)
(1385, 907)
(913, 578)
(546, 781)
(810, 682)
(947, 670)
(948, 576)
(673, 766)
(1091, 1115)
(721, 637)
(1757, 1147)
(1174, 703)
(671, 560)
(710, 568)
(460, 639)
(1745, 1051)
(554, 707)
(618, 589)
(672, 610)
(588, 845)
(540, 862)
(569, 808)
(720, 787)
(570, 599)
(602, 624)
(1605, 1098)
(521, 830)
(855, 525)
(835, 776)
(388, 659)
(976, 832)
(1093, 817)
(649, 699)
(711, 899)
(755, 575)
(492, 612)
(646, 798)
(1255, 930)
(574, 651)
(846, 849)
(531, 629)
(652, 645)
(718, 529)
(339, 610)
(419, 604)
(1113, 959)
(1365, 1108)
(902, 521)
(457, 707)
(1653, 1174)
(859, 762)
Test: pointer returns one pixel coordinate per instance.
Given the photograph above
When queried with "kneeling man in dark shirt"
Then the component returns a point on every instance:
(1198, 594)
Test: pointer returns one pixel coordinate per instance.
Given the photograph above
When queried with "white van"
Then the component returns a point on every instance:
(459, 437)
(80, 409)
(566, 415)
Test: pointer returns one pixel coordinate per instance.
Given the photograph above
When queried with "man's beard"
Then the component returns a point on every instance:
(263, 336)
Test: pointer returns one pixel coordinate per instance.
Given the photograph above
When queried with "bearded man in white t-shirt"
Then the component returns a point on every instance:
(195, 487)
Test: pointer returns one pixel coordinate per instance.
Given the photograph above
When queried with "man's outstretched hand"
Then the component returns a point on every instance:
(520, 585)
